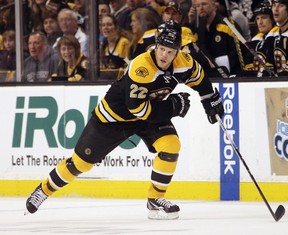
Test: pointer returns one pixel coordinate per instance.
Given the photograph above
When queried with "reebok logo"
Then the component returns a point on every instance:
(215, 103)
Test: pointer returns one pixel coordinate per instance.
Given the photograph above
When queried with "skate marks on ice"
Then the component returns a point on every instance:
(104, 216)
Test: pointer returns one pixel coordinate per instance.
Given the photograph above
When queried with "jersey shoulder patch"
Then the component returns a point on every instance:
(142, 69)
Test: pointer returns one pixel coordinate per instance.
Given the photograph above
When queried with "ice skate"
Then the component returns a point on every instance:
(161, 209)
(34, 201)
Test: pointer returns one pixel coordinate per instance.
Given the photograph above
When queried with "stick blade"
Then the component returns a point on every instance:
(279, 213)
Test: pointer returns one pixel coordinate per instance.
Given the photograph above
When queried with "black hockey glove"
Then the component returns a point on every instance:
(181, 103)
(213, 105)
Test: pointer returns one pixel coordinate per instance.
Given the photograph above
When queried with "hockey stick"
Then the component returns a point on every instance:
(280, 211)
(249, 47)
(212, 64)
(236, 39)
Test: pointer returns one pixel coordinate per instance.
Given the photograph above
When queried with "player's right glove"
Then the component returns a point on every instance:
(181, 103)
(213, 105)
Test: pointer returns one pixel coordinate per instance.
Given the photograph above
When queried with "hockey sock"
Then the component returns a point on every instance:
(164, 165)
(64, 173)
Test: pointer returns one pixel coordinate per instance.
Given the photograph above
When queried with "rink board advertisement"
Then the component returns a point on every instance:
(43, 124)
(40, 126)
(229, 167)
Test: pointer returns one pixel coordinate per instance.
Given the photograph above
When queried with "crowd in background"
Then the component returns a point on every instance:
(56, 40)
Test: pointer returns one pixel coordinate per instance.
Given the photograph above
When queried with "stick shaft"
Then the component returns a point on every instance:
(246, 166)
(236, 39)
(212, 64)
(249, 47)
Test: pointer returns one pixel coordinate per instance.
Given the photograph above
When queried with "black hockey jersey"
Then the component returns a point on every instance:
(140, 93)
(259, 46)
(277, 53)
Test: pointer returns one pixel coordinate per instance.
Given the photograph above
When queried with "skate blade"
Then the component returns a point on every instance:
(162, 215)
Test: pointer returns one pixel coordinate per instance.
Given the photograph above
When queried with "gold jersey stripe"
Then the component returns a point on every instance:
(142, 112)
(139, 109)
(108, 113)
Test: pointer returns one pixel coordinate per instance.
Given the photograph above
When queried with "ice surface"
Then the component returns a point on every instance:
(66, 215)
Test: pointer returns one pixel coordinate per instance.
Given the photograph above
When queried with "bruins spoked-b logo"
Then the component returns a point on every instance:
(142, 72)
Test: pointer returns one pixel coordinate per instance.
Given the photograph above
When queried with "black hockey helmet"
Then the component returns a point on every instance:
(169, 34)
(264, 8)
(280, 1)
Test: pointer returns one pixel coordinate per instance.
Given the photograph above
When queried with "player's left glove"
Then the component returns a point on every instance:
(180, 103)
(213, 105)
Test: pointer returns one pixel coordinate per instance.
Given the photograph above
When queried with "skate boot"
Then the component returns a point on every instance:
(34, 201)
(161, 209)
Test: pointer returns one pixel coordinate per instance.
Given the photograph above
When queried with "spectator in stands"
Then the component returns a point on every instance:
(80, 8)
(8, 57)
(124, 18)
(172, 11)
(192, 15)
(37, 10)
(215, 38)
(184, 6)
(51, 27)
(103, 10)
(68, 22)
(237, 16)
(141, 21)
(265, 22)
(277, 39)
(73, 65)
(118, 6)
(8, 54)
(7, 16)
(115, 47)
(43, 60)
(169, 12)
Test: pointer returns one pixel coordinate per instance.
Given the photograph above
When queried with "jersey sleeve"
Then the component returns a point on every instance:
(195, 76)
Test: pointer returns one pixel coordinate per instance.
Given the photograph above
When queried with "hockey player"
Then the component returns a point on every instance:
(276, 39)
(265, 22)
(136, 104)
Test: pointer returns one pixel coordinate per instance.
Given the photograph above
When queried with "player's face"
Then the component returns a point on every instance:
(264, 23)
(280, 13)
(164, 56)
